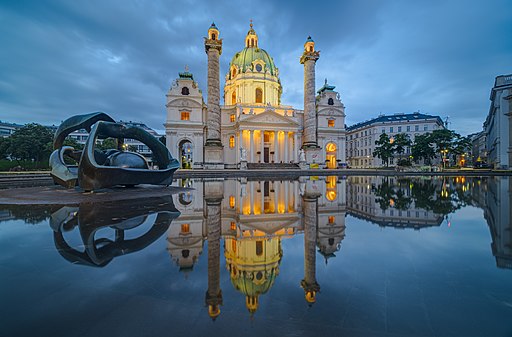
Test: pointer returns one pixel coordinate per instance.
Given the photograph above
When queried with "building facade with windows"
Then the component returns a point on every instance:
(253, 124)
(498, 124)
(361, 137)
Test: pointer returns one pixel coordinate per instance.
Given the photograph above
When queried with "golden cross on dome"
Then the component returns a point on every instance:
(250, 23)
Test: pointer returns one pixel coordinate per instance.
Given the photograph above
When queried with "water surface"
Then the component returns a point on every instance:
(362, 256)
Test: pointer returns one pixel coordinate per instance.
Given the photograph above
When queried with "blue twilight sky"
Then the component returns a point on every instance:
(60, 58)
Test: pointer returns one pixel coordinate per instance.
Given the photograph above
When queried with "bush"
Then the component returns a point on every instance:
(26, 165)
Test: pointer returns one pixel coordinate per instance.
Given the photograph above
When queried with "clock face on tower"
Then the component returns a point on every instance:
(258, 68)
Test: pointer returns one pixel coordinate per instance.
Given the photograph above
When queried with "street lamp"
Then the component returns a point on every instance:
(444, 152)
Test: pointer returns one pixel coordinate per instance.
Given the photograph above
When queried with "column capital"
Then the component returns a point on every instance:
(310, 55)
(215, 44)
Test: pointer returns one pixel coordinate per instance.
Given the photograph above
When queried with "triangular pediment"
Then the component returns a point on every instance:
(269, 117)
(184, 102)
(331, 111)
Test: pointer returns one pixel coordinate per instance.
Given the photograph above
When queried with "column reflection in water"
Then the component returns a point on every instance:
(213, 195)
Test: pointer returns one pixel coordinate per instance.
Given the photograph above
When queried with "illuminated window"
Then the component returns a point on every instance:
(232, 118)
(185, 116)
(259, 248)
(332, 219)
(330, 123)
(185, 228)
(233, 97)
(331, 195)
(266, 137)
(233, 226)
(331, 147)
(233, 247)
(232, 201)
(232, 141)
(259, 96)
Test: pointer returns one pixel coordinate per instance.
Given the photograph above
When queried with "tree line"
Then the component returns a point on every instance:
(443, 142)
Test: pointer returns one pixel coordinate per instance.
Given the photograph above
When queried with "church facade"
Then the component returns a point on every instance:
(253, 128)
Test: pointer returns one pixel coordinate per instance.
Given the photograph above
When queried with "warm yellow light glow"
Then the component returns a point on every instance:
(185, 228)
(331, 147)
(185, 115)
(232, 118)
(233, 226)
(330, 123)
(331, 195)
(391, 202)
(232, 141)
(332, 219)
(232, 201)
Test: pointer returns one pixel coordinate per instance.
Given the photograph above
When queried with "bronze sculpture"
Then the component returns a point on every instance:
(98, 169)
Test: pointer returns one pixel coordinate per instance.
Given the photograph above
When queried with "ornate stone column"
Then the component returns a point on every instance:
(276, 147)
(262, 146)
(213, 149)
(309, 140)
(213, 194)
(295, 147)
(251, 132)
(286, 150)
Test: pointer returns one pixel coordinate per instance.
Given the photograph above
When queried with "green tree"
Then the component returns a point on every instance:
(5, 144)
(384, 148)
(423, 148)
(31, 142)
(107, 144)
(400, 143)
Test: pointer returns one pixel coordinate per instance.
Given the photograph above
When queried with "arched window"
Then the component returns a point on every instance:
(259, 95)
(233, 72)
(232, 141)
(213, 36)
(311, 48)
(330, 101)
(233, 98)
(259, 248)
(185, 91)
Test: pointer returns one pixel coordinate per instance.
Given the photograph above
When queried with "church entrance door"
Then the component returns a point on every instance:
(266, 155)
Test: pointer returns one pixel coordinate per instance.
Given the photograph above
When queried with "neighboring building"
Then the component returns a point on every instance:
(7, 129)
(363, 202)
(361, 137)
(80, 136)
(478, 148)
(253, 122)
(498, 124)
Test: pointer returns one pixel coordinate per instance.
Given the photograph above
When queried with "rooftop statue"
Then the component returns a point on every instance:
(98, 169)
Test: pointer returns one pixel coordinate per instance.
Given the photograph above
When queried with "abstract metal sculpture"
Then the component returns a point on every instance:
(94, 220)
(98, 169)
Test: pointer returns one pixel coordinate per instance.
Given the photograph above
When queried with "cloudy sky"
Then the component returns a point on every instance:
(60, 58)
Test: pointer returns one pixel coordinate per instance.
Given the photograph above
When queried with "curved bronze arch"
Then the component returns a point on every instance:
(94, 171)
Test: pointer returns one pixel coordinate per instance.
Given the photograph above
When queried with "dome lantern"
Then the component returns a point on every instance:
(251, 40)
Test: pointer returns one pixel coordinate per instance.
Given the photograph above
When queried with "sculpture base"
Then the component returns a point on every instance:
(243, 165)
(213, 157)
(313, 156)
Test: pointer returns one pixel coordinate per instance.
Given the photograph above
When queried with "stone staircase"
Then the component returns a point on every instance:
(272, 166)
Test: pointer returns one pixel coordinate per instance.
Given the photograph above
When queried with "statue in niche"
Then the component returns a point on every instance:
(243, 154)
(302, 155)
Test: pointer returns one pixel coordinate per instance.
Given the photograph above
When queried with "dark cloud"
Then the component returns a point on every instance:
(68, 57)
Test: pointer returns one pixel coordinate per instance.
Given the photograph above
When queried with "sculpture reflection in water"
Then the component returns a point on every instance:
(254, 217)
(155, 213)
(97, 168)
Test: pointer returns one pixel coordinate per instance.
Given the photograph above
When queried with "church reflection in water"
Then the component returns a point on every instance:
(253, 217)
(245, 222)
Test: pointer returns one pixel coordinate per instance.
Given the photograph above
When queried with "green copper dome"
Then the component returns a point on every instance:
(244, 59)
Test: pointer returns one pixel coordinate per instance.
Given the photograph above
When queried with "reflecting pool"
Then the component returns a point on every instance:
(351, 256)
